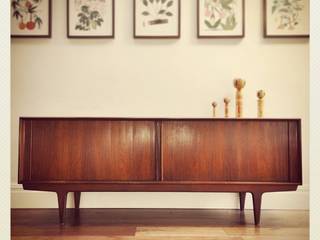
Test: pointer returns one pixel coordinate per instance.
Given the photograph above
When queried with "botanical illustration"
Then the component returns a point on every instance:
(158, 10)
(220, 14)
(287, 13)
(89, 15)
(27, 14)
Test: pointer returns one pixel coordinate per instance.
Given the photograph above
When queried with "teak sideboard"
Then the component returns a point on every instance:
(160, 155)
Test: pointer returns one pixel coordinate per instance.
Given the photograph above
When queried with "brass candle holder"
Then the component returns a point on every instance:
(214, 106)
(239, 84)
(226, 107)
(261, 94)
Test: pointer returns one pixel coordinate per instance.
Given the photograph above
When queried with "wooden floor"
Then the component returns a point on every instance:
(158, 224)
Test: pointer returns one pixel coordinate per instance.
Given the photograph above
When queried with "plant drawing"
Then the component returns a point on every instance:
(286, 13)
(27, 14)
(220, 14)
(88, 19)
(158, 10)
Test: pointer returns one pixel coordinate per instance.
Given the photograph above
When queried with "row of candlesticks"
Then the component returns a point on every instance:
(239, 84)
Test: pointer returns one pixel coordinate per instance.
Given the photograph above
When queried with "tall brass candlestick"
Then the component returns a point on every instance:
(239, 85)
(260, 94)
(226, 107)
(214, 105)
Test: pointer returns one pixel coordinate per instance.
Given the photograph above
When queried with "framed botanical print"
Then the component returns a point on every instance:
(286, 18)
(31, 18)
(221, 18)
(156, 18)
(90, 18)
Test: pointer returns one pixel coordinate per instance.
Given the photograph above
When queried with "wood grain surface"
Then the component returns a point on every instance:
(225, 151)
(156, 224)
(92, 150)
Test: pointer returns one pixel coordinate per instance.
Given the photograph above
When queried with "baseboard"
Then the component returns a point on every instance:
(298, 200)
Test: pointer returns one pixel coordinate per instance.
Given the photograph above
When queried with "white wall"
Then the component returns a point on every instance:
(157, 78)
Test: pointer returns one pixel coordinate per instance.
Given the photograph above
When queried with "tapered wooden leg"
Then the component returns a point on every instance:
(62, 202)
(242, 197)
(256, 196)
(77, 196)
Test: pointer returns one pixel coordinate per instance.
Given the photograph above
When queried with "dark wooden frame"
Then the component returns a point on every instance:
(222, 36)
(92, 36)
(159, 184)
(158, 36)
(265, 22)
(49, 27)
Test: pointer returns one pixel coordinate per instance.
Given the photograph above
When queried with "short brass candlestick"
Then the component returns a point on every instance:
(239, 84)
(226, 107)
(214, 106)
(261, 94)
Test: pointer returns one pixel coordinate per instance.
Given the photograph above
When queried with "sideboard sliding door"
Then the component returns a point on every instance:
(225, 151)
(91, 150)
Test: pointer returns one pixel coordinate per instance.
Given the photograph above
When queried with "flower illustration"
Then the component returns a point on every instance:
(26, 12)
(287, 13)
(220, 14)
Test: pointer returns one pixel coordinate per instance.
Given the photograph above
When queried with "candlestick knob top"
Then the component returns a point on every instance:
(214, 104)
(226, 100)
(261, 94)
(239, 83)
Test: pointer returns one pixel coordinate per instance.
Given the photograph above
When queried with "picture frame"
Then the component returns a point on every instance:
(31, 18)
(221, 19)
(90, 18)
(157, 19)
(286, 19)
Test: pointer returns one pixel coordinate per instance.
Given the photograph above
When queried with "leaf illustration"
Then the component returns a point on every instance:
(274, 8)
(16, 14)
(214, 26)
(163, 1)
(227, 7)
(38, 21)
(81, 15)
(225, 4)
(169, 14)
(162, 11)
(208, 24)
(145, 2)
(88, 19)
(32, 9)
(169, 4)
(284, 10)
(145, 13)
(217, 23)
(85, 9)
(15, 4)
(157, 1)
(94, 14)
(230, 23)
(286, 3)
(151, 1)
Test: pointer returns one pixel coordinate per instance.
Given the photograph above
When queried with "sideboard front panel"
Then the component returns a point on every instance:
(225, 151)
(73, 149)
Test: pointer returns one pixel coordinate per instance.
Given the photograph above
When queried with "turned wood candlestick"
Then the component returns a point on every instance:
(260, 94)
(214, 106)
(226, 107)
(239, 84)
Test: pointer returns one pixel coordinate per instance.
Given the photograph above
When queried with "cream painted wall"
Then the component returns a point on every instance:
(157, 78)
